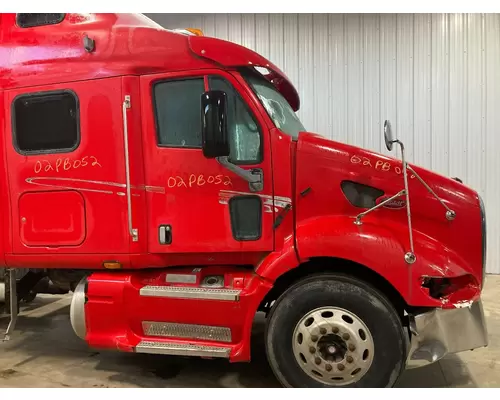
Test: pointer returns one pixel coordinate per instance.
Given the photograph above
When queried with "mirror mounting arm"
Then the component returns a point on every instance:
(358, 221)
(410, 257)
(253, 177)
(450, 214)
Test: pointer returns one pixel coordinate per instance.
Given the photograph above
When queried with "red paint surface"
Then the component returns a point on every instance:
(130, 55)
(325, 218)
(194, 186)
(115, 310)
(52, 219)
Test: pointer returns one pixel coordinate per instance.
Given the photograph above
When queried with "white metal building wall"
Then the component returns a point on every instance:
(435, 76)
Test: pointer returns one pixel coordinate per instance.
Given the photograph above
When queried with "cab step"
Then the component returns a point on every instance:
(181, 349)
(187, 331)
(185, 292)
(206, 312)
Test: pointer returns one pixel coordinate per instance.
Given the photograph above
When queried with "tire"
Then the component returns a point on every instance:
(355, 306)
(29, 297)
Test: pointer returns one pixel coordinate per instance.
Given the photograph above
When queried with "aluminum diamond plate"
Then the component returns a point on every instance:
(188, 331)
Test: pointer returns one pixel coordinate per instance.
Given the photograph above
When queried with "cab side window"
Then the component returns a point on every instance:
(243, 130)
(178, 112)
(177, 106)
(46, 122)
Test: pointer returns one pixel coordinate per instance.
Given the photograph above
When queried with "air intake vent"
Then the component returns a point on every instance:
(32, 20)
(360, 195)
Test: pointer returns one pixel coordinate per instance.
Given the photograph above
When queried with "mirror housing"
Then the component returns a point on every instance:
(388, 137)
(214, 135)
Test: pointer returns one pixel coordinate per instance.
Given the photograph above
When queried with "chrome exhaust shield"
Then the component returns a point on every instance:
(77, 309)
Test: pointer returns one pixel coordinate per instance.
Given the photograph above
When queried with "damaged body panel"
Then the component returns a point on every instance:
(439, 332)
(444, 248)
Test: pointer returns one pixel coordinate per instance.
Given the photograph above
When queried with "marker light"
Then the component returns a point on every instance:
(195, 31)
(189, 31)
(111, 265)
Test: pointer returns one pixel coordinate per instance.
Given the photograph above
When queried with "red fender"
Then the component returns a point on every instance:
(378, 247)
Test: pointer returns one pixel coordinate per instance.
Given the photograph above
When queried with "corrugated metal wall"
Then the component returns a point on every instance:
(435, 76)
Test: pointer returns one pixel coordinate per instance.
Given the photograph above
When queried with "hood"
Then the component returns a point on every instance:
(345, 180)
(378, 170)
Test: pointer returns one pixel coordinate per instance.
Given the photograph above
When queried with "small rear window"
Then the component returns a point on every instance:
(31, 20)
(46, 122)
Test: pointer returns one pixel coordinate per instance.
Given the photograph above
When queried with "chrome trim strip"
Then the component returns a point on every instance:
(180, 292)
(179, 349)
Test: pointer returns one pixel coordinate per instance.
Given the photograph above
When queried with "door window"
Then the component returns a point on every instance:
(243, 130)
(178, 118)
(178, 112)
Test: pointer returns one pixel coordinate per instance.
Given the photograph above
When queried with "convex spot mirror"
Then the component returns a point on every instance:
(214, 136)
(388, 136)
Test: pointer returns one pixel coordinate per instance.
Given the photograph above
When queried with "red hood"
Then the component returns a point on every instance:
(443, 247)
(372, 168)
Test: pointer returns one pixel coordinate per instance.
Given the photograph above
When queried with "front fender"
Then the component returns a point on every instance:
(381, 246)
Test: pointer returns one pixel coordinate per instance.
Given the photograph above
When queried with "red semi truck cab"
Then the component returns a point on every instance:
(165, 177)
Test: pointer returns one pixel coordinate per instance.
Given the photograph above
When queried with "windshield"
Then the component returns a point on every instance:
(275, 104)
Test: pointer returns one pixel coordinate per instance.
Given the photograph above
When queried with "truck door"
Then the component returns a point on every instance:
(196, 206)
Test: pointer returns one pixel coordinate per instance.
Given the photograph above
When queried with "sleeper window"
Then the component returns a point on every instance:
(46, 122)
(32, 20)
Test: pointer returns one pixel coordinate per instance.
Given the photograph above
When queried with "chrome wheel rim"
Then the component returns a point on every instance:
(333, 346)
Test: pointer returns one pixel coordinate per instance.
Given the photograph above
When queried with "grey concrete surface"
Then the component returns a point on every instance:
(44, 352)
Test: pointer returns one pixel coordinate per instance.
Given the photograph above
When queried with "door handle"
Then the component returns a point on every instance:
(165, 234)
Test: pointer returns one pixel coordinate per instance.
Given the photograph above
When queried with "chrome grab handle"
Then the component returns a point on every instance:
(132, 231)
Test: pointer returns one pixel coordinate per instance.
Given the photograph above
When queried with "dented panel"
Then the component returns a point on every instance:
(436, 333)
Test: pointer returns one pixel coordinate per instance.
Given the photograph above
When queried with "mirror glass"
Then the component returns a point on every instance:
(389, 139)
(214, 135)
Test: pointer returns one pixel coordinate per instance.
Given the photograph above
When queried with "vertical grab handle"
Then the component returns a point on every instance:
(132, 231)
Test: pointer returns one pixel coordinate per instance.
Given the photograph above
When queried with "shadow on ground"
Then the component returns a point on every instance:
(47, 348)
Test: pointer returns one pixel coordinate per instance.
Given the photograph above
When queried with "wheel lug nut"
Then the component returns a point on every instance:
(345, 336)
(341, 367)
(312, 350)
(314, 338)
(322, 331)
(352, 347)
(349, 359)
(328, 367)
(317, 360)
(335, 329)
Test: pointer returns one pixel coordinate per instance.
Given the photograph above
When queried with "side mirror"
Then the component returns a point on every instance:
(214, 137)
(389, 138)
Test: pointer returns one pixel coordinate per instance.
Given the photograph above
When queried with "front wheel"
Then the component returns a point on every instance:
(333, 330)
